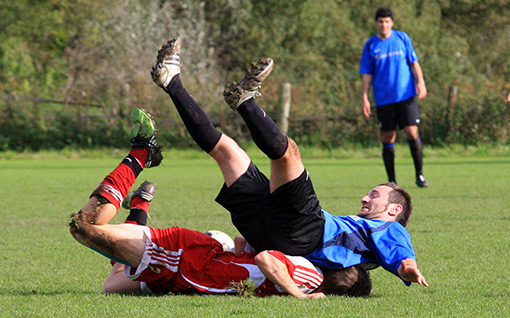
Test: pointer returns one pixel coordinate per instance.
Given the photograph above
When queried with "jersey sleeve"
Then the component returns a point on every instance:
(306, 276)
(366, 66)
(410, 52)
(392, 246)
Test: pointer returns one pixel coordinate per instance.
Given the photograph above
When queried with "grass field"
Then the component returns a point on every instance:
(460, 230)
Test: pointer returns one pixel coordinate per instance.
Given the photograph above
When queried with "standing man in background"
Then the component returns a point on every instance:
(390, 64)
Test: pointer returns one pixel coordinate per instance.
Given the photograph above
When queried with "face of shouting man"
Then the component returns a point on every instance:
(375, 205)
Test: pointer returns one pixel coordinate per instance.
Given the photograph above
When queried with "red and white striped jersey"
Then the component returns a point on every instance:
(180, 260)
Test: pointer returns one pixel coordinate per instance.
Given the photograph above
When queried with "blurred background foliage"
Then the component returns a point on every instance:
(71, 70)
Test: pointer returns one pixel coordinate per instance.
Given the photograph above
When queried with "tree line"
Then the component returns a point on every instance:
(70, 71)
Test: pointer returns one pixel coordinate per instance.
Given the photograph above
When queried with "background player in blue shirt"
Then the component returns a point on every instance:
(283, 213)
(389, 63)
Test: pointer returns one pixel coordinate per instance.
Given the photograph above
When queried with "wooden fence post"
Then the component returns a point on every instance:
(286, 100)
(452, 104)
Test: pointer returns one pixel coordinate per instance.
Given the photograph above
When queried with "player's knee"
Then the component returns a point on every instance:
(262, 258)
(292, 152)
(78, 227)
(109, 287)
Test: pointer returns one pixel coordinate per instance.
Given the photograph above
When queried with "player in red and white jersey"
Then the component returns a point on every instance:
(180, 260)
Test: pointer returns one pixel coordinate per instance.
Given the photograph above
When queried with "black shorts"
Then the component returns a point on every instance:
(289, 220)
(404, 114)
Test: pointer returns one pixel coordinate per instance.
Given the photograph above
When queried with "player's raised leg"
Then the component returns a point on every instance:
(286, 164)
(233, 161)
(89, 226)
(138, 202)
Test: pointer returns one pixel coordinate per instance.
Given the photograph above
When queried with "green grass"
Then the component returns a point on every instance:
(460, 230)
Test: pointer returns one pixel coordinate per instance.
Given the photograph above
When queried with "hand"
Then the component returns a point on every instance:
(508, 98)
(422, 90)
(366, 108)
(314, 295)
(410, 272)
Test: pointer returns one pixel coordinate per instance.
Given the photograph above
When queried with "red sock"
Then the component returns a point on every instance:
(139, 211)
(116, 185)
(139, 203)
(140, 155)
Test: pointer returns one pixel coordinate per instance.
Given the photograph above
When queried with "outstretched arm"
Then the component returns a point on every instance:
(277, 272)
(408, 270)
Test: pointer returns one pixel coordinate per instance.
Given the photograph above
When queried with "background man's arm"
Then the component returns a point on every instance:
(277, 272)
(365, 103)
(418, 77)
(408, 270)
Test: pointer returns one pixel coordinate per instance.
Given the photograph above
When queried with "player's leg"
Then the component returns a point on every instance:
(409, 118)
(293, 221)
(416, 148)
(138, 203)
(386, 116)
(388, 153)
(233, 161)
(286, 164)
(89, 226)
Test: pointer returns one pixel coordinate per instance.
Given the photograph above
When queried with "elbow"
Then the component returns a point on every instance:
(109, 287)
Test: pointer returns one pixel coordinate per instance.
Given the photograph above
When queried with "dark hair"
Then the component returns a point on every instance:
(400, 196)
(383, 12)
(352, 281)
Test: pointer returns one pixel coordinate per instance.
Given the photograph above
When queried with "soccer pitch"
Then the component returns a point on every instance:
(460, 230)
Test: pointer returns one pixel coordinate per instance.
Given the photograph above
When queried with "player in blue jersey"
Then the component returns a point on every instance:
(283, 212)
(389, 63)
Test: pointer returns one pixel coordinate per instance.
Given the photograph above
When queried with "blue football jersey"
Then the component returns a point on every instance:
(388, 61)
(351, 240)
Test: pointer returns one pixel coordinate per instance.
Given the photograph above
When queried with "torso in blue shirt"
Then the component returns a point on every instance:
(351, 240)
(388, 62)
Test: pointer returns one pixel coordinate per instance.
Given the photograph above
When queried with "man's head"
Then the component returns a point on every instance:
(352, 281)
(384, 22)
(387, 202)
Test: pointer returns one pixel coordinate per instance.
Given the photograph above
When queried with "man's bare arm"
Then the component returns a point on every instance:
(420, 82)
(365, 103)
(408, 270)
(277, 272)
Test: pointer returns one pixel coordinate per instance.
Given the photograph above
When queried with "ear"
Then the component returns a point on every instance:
(395, 209)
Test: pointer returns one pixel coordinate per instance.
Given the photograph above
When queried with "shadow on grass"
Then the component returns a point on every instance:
(6, 292)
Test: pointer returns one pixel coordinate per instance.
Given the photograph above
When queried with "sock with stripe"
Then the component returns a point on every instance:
(116, 185)
(139, 211)
(388, 155)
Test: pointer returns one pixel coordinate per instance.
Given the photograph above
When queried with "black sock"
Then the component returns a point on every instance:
(417, 153)
(195, 119)
(388, 155)
(264, 131)
(133, 163)
(138, 216)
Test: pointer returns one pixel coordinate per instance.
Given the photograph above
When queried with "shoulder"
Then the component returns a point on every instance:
(371, 40)
(402, 35)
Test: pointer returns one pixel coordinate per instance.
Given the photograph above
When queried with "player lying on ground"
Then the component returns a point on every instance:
(197, 273)
(283, 213)
(177, 259)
